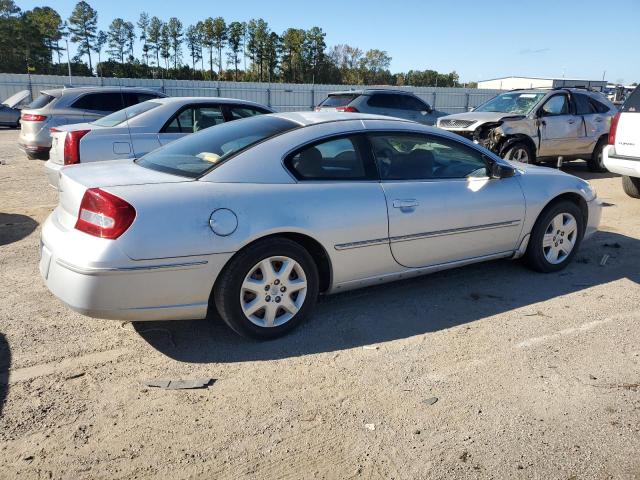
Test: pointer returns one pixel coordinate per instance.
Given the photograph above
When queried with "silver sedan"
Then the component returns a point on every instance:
(137, 130)
(255, 218)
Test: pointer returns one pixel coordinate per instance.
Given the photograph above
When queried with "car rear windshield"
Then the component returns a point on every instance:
(42, 101)
(201, 152)
(128, 113)
(520, 103)
(632, 104)
(341, 100)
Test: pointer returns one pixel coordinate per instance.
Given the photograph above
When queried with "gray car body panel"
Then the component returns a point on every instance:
(166, 263)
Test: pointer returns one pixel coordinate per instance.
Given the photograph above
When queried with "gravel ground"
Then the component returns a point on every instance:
(535, 376)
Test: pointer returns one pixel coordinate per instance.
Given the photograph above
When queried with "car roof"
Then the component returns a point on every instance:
(310, 118)
(371, 91)
(57, 92)
(185, 100)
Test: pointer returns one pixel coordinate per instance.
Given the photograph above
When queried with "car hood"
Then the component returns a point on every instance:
(483, 117)
(16, 98)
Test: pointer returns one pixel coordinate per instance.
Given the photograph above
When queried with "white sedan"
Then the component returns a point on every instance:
(140, 129)
(255, 218)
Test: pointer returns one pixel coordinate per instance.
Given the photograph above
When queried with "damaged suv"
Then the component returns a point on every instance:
(532, 126)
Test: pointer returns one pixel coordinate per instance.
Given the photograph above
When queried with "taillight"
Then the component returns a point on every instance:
(30, 117)
(347, 109)
(613, 129)
(318, 109)
(72, 146)
(104, 215)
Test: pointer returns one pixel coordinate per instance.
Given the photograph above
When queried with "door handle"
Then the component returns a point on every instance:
(405, 203)
(572, 121)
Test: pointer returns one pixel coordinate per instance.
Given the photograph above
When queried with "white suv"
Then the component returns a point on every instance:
(622, 155)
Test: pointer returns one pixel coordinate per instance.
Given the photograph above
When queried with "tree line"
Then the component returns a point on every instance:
(36, 41)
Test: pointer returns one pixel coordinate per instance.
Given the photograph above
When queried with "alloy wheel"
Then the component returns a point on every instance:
(560, 238)
(273, 291)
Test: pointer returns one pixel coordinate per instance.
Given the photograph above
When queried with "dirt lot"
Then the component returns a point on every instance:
(536, 376)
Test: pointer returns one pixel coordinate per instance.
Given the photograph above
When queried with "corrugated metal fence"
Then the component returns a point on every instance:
(280, 96)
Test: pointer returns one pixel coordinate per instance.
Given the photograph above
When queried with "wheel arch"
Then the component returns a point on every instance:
(510, 140)
(573, 197)
(317, 251)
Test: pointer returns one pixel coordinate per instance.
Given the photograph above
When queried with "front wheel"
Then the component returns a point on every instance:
(555, 237)
(596, 161)
(520, 152)
(631, 186)
(267, 289)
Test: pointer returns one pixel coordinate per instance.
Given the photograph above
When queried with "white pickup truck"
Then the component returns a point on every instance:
(622, 155)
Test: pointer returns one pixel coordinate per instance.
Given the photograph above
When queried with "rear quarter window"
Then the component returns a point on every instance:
(101, 102)
(632, 104)
(42, 101)
(341, 100)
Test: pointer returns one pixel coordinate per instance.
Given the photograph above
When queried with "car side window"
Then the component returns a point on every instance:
(238, 112)
(194, 119)
(414, 104)
(556, 105)
(101, 102)
(409, 156)
(384, 100)
(335, 159)
(598, 106)
(583, 106)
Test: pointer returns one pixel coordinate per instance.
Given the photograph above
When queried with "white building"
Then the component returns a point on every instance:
(510, 83)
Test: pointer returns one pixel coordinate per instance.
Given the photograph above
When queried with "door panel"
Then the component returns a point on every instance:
(561, 131)
(439, 221)
(442, 205)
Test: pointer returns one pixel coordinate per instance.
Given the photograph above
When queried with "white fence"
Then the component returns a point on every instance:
(280, 96)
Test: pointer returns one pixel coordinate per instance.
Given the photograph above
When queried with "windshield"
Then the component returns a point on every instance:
(196, 154)
(520, 103)
(128, 113)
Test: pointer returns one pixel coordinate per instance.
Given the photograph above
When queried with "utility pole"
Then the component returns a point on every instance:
(68, 61)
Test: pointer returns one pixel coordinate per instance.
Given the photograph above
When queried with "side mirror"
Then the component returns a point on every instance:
(497, 170)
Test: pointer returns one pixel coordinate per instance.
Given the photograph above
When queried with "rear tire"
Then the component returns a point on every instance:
(596, 162)
(267, 289)
(631, 186)
(555, 238)
(520, 152)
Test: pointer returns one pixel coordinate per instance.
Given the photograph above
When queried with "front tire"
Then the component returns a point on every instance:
(555, 237)
(631, 186)
(267, 289)
(520, 152)
(596, 161)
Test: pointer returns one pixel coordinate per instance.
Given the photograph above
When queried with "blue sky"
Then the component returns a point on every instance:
(479, 39)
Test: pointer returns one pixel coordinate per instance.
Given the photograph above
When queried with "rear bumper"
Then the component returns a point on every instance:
(52, 171)
(93, 277)
(36, 152)
(621, 165)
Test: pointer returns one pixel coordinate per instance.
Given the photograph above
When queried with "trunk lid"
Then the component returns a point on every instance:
(16, 98)
(76, 179)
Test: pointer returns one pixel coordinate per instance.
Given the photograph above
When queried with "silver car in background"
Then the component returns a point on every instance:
(254, 218)
(140, 129)
(532, 126)
(10, 109)
(381, 101)
(65, 106)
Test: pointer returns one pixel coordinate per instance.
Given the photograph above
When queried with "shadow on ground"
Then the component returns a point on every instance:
(14, 227)
(580, 169)
(406, 308)
(5, 363)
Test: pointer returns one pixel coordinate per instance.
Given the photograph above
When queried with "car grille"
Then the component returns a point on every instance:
(453, 123)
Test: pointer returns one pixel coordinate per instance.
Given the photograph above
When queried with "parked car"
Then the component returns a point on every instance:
(255, 217)
(10, 109)
(622, 155)
(533, 126)
(64, 106)
(387, 102)
(140, 129)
